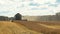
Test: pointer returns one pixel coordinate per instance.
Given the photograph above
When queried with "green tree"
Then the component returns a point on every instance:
(18, 16)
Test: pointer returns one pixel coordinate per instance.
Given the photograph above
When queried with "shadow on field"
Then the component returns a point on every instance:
(39, 28)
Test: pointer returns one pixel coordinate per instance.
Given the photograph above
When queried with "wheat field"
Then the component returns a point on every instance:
(42, 27)
(7, 27)
(29, 27)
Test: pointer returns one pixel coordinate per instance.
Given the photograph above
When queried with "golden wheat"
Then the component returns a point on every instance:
(7, 27)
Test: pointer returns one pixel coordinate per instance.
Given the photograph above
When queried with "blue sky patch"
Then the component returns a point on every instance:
(34, 4)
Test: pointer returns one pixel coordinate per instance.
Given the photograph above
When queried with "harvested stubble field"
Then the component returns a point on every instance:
(42, 27)
(29, 27)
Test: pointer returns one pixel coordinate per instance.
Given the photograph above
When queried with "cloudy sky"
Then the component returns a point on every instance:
(29, 7)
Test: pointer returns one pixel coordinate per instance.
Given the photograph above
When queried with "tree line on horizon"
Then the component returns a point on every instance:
(18, 16)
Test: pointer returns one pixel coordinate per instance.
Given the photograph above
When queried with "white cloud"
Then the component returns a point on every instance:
(14, 6)
(44, 1)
